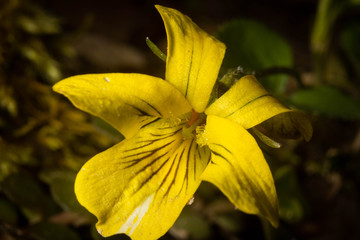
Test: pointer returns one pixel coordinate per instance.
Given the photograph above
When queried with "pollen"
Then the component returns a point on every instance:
(201, 136)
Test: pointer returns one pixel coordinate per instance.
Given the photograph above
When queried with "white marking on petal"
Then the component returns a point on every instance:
(137, 215)
(107, 79)
(191, 201)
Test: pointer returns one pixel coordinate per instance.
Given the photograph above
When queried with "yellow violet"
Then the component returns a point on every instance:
(173, 140)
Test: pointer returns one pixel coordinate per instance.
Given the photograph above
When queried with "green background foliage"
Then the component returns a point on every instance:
(306, 53)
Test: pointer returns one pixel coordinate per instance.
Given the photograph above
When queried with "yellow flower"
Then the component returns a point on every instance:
(174, 140)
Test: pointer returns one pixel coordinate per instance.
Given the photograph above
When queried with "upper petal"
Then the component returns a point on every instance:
(140, 186)
(193, 57)
(249, 104)
(126, 101)
(238, 168)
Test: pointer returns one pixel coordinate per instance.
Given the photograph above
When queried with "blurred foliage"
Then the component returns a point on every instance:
(322, 37)
(350, 38)
(44, 140)
(328, 101)
(246, 47)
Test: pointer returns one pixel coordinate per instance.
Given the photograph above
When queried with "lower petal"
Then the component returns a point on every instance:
(238, 168)
(140, 185)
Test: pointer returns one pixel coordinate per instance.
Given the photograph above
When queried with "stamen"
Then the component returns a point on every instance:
(194, 116)
(196, 120)
(201, 136)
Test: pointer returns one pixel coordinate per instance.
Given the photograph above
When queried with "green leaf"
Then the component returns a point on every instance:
(191, 225)
(47, 230)
(23, 190)
(291, 207)
(27, 194)
(62, 189)
(327, 101)
(96, 236)
(8, 212)
(231, 221)
(252, 45)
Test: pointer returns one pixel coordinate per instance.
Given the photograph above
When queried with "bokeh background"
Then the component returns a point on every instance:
(306, 52)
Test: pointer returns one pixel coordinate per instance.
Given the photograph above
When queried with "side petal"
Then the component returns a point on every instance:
(126, 101)
(140, 186)
(238, 168)
(249, 104)
(193, 57)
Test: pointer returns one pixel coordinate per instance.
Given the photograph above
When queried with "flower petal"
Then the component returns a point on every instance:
(193, 58)
(238, 168)
(247, 103)
(126, 101)
(140, 186)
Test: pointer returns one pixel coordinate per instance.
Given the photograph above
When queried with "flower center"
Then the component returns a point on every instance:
(196, 119)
